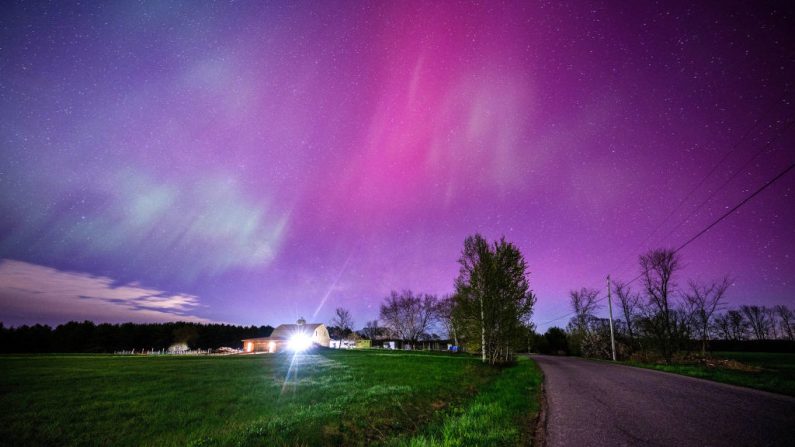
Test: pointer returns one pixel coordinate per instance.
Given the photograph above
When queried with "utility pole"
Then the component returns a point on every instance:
(610, 307)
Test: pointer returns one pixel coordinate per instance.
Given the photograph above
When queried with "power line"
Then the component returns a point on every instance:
(766, 146)
(742, 168)
(733, 149)
(727, 213)
(706, 177)
(702, 232)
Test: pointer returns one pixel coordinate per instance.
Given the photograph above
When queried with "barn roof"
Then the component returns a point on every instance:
(285, 331)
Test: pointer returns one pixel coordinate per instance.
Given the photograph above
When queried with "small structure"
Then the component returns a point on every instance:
(295, 337)
(342, 344)
(421, 345)
(354, 341)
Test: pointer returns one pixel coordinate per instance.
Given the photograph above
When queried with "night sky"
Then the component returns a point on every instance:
(251, 163)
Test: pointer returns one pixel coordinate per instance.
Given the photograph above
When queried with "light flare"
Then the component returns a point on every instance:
(299, 342)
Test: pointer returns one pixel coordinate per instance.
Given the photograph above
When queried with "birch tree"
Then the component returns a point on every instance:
(493, 297)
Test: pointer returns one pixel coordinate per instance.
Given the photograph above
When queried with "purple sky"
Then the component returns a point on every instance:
(252, 163)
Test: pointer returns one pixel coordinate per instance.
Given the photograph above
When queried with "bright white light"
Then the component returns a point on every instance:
(299, 342)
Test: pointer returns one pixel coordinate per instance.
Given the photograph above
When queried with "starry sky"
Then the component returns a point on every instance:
(253, 162)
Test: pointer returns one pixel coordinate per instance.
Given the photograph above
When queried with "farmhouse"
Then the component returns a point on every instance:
(294, 337)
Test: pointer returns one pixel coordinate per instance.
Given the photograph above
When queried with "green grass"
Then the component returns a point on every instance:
(498, 416)
(327, 398)
(775, 371)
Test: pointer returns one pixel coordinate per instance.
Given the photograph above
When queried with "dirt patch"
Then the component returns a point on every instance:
(438, 405)
(698, 360)
(733, 365)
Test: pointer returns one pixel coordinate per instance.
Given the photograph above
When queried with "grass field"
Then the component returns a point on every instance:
(769, 371)
(325, 398)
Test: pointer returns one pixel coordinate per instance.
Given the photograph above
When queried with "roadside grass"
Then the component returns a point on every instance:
(501, 415)
(773, 372)
(324, 398)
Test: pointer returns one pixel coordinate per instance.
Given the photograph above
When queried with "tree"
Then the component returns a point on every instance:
(408, 316)
(630, 303)
(554, 341)
(773, 324)
(584, 304)
(704, 300)
(737, 325)
(786, 316)
(663, 321)
(595, 341)
(757, 320)
(186, 335)
(493, 297)
(721, 326)
(372, 330)
(342, 319)
(446, 315)
(89, 337)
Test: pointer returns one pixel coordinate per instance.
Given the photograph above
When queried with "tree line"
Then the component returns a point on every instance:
(662, 318)
(87, 336)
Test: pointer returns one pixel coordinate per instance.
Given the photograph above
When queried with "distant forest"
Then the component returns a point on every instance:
(90, 337)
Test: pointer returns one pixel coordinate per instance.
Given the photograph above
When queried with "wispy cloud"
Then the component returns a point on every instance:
(33, 293)
(172, 229)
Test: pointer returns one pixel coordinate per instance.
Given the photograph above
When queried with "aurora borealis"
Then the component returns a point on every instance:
(252, 162)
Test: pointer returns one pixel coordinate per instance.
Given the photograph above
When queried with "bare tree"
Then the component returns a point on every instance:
(721, 326)
(758, 320)
(584, 304)
(446, 314)
(630, 303)
(704, 300)
(772, 317)
(786, 316)
(342, 319)
(738, 325)
(408, 316)
(371, 329)
(664, 322)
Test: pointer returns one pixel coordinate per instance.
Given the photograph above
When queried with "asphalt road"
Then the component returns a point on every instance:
(597, 403)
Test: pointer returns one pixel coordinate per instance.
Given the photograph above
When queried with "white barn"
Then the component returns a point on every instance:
(298, 336)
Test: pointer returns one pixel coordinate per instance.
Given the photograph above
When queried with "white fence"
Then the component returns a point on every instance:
(221, 351)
